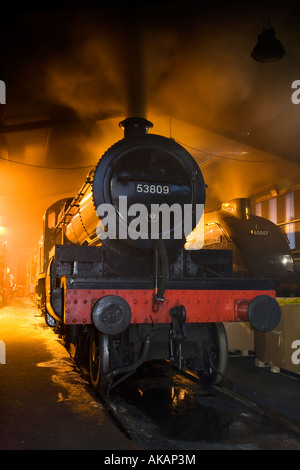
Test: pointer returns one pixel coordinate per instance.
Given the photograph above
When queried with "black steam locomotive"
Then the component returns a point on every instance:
(259, 247)
(116, 279)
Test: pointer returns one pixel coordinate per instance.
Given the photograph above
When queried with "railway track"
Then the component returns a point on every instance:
(162, 409)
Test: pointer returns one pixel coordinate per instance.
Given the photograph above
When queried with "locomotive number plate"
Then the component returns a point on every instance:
(152, 188)
(263, 233)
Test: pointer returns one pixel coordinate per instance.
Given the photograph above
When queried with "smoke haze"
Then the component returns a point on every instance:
(184, 65)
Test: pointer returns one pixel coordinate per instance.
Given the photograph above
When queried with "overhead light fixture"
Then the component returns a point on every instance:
(268, 47)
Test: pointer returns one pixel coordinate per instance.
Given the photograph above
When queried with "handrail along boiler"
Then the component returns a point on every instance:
(121, 300)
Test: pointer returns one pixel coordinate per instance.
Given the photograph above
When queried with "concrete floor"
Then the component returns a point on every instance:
(277, 392)
(44, 402)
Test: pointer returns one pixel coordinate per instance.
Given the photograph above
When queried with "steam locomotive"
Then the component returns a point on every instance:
(122, 288)
(259, 247)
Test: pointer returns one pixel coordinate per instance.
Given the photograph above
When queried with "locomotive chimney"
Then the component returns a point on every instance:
(239, 207)
(135, 127)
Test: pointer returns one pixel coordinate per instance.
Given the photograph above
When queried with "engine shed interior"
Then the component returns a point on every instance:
(207, 94)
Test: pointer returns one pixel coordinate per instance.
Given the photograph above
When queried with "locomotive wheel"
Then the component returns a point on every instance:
(98, 359)
(215, 354)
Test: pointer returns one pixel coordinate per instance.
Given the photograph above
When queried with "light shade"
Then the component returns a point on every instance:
(268, 47)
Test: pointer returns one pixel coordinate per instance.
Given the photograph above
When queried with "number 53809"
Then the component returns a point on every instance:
(152, 188)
